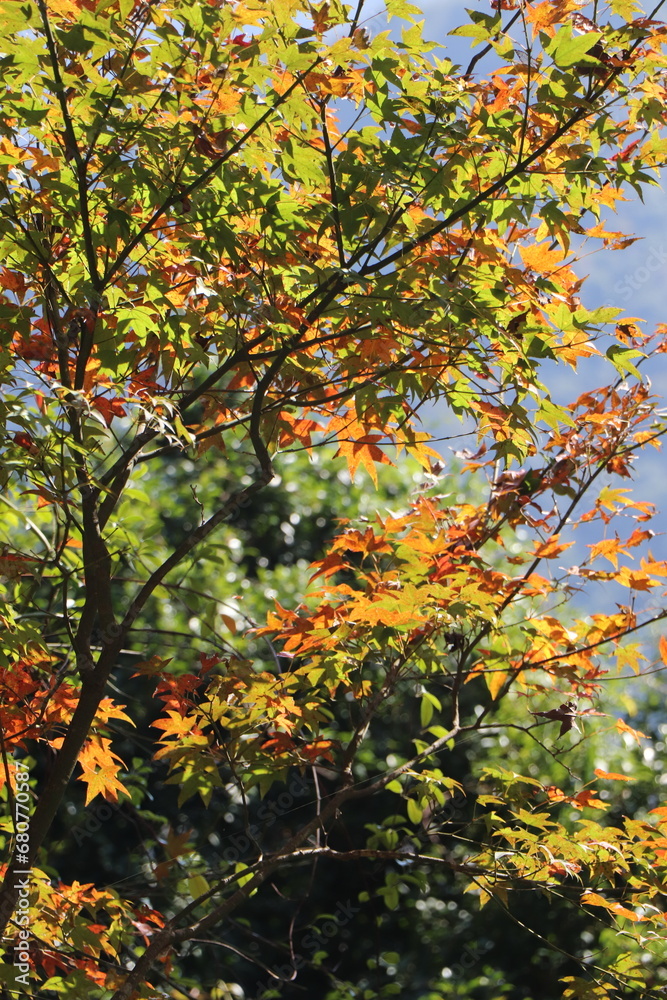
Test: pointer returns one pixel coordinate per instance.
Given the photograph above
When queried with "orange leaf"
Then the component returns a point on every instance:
(623, 727)
(540, 257)
(320, 748)
(365, 452)
(561, 867)
(586, 799)
(68, 10)
(551, 548)
(612, 775)
(663, 648)
(279, 743)
(544, 16)
(226, 103)
(594, 899)
(100, 769)
(230, 623)
(609, 548)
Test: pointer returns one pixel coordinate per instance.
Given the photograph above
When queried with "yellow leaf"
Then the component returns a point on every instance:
(197, 886)
(609, 548)
(226, 103)
(103, 782)
(594, 899)
(541, 258)
(494, 681)
(66, 10)
(248, 13)
(99, 766)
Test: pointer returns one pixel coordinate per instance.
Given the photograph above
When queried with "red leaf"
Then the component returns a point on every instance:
(109, 408)
(565, 714)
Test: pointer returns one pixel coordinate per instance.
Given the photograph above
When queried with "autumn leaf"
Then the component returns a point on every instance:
(98, 763)
(495, 680)
(587, 799)
(612, 775)
(565, 714)
(552, 548)
(363, 451)
(248, 250)
(662, 645)
(541, 257)
(623, 727)
(544, 16)
(595, 899)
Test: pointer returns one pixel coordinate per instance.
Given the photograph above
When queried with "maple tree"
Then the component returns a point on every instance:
(238, 230)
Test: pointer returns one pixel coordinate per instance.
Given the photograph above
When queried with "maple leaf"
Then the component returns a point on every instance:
(363, 451)
(109, 408)
(662, 644)
(182, 323)
(99, 767)
(623, 727)
(565, 714)
(545, 15)
(69, 10)
(551, 548)
(279, 743)
(176, 724)
(613, 776)
(208, 661)
(586, 799)
(213, 145)
(319, 748)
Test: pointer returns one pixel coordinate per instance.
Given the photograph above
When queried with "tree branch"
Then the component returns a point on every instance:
(207, 174)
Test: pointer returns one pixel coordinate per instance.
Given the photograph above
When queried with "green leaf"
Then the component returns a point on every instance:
(567, 51)
(620, 358)
(197, 886)
(390, 895)
(415, 812)
(425, 711)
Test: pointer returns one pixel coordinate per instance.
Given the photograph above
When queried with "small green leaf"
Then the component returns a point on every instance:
(425, 712)
(197, 886)
(620, 359)
(414, 812)
(390, 897)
